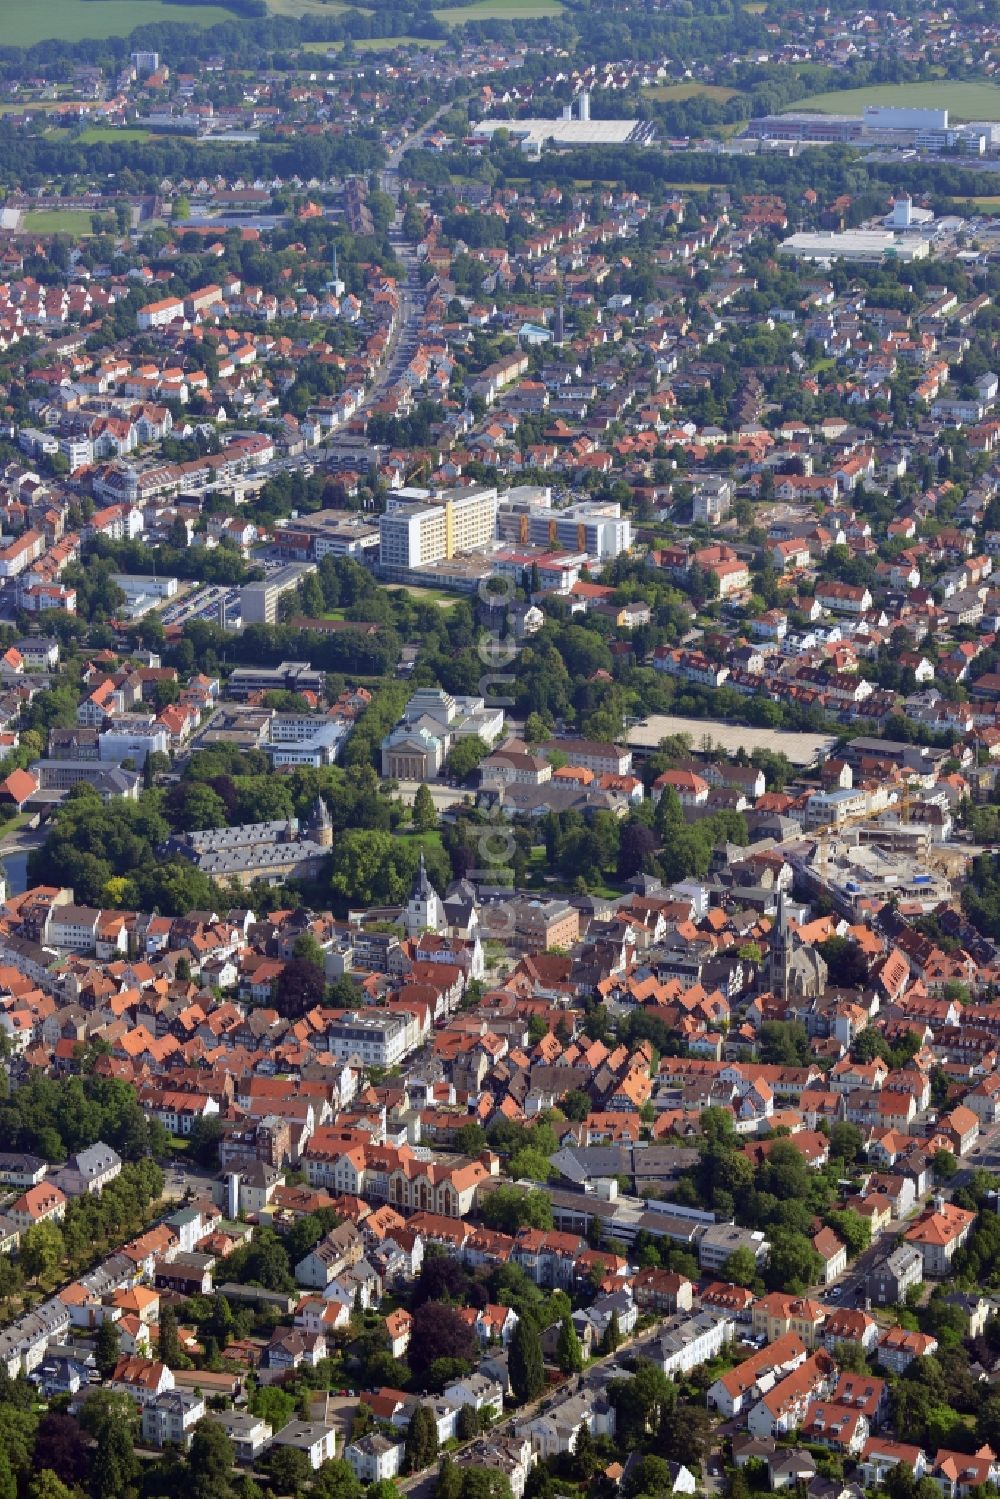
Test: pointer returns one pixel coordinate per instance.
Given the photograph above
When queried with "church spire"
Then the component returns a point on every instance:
(780, 951)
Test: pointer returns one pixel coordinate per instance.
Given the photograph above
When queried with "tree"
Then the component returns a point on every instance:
(793, 1264)
(60, 1447)
(220, 1323)
(611, 1340)
(466, 754)
(526, 1365)
(511, 1208)
(424, 810)
(785, 1043)
(266, 1263)
(194, 806)
(569, 1351)
(850, 1357)
(47, 1485)
(686, 1434)
(203, 1141)
(852, 1229)
(576, 1105)
(210, 1460)
(421, 1439)
(586, 1459)
(8, 1483)
(740, 1267)
(439, 1332)
(273, 1405)
(846, 1142)
(468, 1425)
(11, 1279)
(308, 950)
(945, 1165)
(530, 1165)
(484, 1483)
(112, 1421)
(335, 1480)
(650, 1475)
(846, 963)
(470, 1139)
(41, 1250)
(106, 1348)
(288, 1468)
(637, 847)
(640, 1402)
(169, 1345)
(449, 1484)
(300, 987)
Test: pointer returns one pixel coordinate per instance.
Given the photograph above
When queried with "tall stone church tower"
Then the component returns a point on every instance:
(321, 824)
(425, 910)
(781, 951)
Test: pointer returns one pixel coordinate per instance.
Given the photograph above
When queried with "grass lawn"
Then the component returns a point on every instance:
(14, 824)
(965, 101)
(426, 841)
(431, 595)
(501, 10)
(986, 205)
(57, 221)
(23, 23)
(665, 92)
(811, 69)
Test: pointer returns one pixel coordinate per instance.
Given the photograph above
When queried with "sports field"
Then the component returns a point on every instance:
(94, 135)
(25, 22)
(964, 101)
(666, 92)
(501, 10)
(75, 221)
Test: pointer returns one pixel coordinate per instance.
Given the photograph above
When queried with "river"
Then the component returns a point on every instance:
(16, 865)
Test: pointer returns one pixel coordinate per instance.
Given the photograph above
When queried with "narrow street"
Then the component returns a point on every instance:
(422, 1485)
(412, 295)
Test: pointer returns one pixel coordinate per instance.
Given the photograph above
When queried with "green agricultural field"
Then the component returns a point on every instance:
(378, 44)
(501, 10)
(75, 221)
(298, 8)
(665, 93)
(965, 101)
(25, 22)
